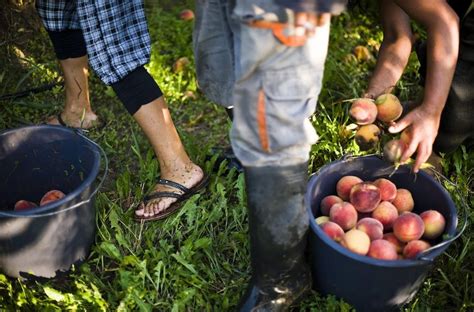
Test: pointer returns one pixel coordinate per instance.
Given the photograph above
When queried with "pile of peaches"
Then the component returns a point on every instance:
(47, 198)
(376, 219)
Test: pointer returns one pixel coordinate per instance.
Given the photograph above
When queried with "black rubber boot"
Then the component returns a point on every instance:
(278, 225)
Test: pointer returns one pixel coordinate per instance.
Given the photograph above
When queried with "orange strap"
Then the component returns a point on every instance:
(278, 30)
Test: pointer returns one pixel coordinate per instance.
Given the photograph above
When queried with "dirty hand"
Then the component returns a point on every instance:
(424, 128)
(306, 22)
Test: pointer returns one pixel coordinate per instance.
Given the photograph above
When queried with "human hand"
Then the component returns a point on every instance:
(306, 22)
(424, 128)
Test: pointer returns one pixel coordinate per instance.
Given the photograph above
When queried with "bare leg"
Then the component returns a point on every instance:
(76, 73)
(155, 120)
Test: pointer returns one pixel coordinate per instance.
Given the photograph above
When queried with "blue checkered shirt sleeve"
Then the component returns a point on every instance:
(115, 32)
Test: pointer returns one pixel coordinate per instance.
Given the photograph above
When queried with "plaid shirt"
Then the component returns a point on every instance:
(115, 32)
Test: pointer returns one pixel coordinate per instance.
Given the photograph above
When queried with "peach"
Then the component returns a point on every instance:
(389, 107)
(393, 150)
(371, 227)
(356, 241)
(186, 15)
(180, 64)
(386, 213)
(344, 185)
(434, 224)
(24, 205)
(321, 219)
(367, 136)
(403, 201)
(382, 249)
(327, 202)
(390, 237)
(406, 135)
(364, 197)
(51, 196)
(362, 53)
(409, 226)
(388, 190)
(364, 111)
(343, 214)
(333, 230)
(414, 247)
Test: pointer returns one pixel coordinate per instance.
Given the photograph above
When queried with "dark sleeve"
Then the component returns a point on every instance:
(328, 6)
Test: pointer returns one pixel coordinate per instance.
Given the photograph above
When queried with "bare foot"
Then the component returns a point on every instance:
(190, 177)
(73, 120)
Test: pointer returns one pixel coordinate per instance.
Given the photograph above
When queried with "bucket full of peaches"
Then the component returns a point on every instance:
(375, 232)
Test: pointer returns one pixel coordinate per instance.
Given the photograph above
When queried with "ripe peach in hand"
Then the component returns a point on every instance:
(382, 249)
(51, 196)
(409, 226)
(24, 205)
(386, 213)
(371, 227)
(434, 224)
(364, 111)
(388, 190)
(327, 202)
(389, 107)
(364, 197)
(390, 237)
(343, 214)
(186, 15)
(393, 150)
(345, 184)
(403, 201)
(333, 230)
(367, 136)
(414, 247)
(356, 241)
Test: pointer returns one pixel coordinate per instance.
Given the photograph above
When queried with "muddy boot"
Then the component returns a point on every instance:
(278, 225)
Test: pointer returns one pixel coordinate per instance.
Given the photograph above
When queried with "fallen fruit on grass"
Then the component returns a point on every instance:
(388, 190)
(364, 197)
(364, 111)
(343, 214)
(367, 136)
(382, 249)
(409, 226)
(362, 53)
(414, 247)
(403, 201)
(186, 15)
(24, 205)
(372, 227)
(393, 150)
(333, 230)
(356, 241)
(390, 237)
(180, 64)
(434, 224)
(386, 213)
(345, 184)
(327, 202)
(51, 196)
(389, 107)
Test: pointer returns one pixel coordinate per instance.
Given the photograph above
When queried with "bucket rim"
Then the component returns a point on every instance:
(89, 180)
(316, 229)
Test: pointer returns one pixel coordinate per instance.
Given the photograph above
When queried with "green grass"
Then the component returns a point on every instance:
(198, 259)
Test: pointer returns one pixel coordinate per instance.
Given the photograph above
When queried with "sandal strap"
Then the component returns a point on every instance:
(173, 184)
(162, 194)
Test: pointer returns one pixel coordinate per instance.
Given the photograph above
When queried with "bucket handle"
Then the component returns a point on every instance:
(425, 255)
(104, 175)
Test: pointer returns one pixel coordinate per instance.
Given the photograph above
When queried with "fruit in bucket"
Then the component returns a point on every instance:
(403, 201)
(382, 249)
(371, 227)
(390, 237)
(414, 247)
(408, 226)
(364, 197)
(434, 224)
(333, 230)
(344, 214)
(388, 190)
(328, 202)
(363, 111)
(51, 196)
(356, 241)
(321, 219)
(24, 205)
(345, 184)
(389, 107)
(386, 213)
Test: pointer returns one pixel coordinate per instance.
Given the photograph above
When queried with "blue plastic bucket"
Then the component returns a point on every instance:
(366, 283)
(46, 240)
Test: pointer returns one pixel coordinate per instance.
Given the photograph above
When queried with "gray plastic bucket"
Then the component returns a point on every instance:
(366, 283)
(46, 240)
